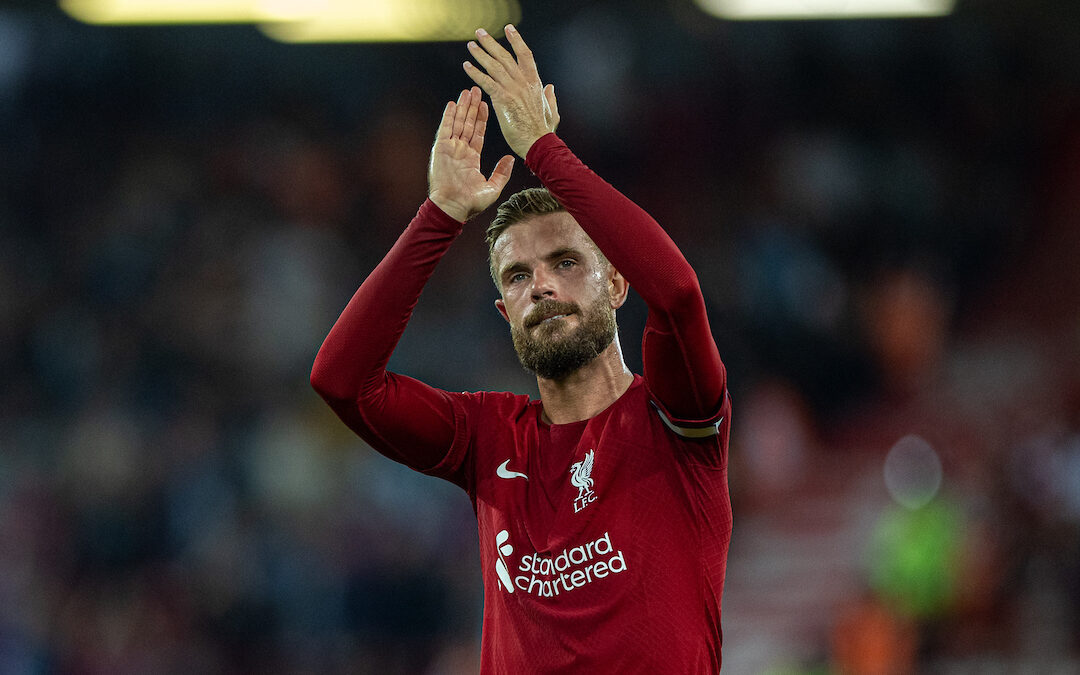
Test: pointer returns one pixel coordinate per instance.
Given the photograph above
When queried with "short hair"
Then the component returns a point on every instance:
(535, 201)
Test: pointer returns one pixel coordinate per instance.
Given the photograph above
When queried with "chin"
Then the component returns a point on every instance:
(556, 323)
(554, 330)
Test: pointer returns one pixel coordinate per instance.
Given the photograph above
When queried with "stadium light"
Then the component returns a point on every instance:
(398, 20)
(824, 9)
(115, 12)
(315, 20)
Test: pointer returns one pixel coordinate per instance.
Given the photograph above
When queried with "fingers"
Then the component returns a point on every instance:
(477, 140)
(553, 105)
(521, 50)
(479, 77)
(461, 111)
(446, 124)
(465, 119)
(470, 115)
(500, 176)
(494, 51)
(496, 71)
(501, 66)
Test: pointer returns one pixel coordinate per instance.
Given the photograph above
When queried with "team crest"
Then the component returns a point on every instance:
(581, 478)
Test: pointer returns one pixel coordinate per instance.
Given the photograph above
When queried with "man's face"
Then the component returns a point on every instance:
(558, 295)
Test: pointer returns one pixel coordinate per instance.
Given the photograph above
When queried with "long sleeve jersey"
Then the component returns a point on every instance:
(603, 542)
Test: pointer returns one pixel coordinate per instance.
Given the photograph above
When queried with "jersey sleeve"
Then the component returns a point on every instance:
(683, 369)
(420, 426)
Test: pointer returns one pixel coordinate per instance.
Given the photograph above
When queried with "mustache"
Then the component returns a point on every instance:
(548, 308)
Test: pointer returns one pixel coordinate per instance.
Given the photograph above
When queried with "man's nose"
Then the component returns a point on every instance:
(543, 284)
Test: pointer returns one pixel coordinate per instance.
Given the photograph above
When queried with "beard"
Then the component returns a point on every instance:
(552, 351)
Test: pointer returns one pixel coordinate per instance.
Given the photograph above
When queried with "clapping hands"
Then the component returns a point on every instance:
(525, 107)
(526, 110)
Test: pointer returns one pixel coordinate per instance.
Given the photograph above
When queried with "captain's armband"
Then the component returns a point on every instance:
(696, 431)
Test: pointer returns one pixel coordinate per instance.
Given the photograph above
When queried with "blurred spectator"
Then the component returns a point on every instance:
(870, 639)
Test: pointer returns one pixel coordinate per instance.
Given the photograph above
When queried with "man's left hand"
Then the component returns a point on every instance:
(526, 109)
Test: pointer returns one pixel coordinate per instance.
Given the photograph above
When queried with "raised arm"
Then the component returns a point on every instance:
(400, 417)
(682, 365)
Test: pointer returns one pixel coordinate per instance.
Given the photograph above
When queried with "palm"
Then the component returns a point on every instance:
(456, 184)
(458, 164)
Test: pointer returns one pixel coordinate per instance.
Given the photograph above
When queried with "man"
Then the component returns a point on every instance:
(602, 508)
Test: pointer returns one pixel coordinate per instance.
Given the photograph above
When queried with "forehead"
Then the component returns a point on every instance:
(537, 236)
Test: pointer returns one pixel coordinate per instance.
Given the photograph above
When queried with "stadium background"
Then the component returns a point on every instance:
(884, 214)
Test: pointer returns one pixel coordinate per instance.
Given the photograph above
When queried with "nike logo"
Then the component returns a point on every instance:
(503, 472)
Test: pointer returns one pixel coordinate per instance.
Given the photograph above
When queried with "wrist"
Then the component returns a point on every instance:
(450, 207)
(541, 147)
(526, 144)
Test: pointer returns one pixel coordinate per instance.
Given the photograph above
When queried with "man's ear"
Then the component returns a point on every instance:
(618, 288)
(501, 306)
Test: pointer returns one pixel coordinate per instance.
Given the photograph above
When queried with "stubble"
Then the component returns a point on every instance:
(552, 351)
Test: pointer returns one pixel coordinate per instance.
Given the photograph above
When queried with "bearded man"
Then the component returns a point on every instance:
(602, 507)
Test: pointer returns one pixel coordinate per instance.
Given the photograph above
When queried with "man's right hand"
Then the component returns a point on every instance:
(455, 183)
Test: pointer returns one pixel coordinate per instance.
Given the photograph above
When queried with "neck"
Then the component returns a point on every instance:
(588, 390)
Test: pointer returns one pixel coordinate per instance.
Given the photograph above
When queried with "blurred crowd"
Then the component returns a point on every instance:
(884, 215)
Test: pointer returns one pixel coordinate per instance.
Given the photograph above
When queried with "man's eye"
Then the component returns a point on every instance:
(520, 276)
(566, 263)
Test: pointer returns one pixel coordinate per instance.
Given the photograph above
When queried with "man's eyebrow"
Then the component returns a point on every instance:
(566, 251)
(513, 267)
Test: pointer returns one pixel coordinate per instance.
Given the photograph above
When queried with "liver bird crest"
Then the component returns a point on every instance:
(581, 478)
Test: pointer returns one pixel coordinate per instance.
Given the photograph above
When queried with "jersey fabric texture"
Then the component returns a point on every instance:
(617, 567)
(603, 542)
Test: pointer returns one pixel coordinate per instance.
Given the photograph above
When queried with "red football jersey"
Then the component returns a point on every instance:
(602, 542)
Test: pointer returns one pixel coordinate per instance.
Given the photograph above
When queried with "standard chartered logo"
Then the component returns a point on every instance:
(503, 549)
(551, 575)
